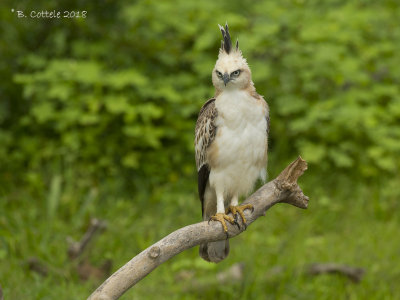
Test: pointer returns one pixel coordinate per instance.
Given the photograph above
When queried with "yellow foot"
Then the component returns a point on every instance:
(221, 217)
(235, 210)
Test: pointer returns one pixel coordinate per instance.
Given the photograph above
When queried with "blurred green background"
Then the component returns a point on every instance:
(97, 119)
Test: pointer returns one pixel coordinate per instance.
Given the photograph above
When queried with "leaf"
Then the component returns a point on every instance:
(117, 104)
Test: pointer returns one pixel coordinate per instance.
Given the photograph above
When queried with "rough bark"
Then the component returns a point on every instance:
(283, 189)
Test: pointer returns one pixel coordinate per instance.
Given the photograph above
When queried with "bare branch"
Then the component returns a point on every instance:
(76, 248)
(355, 274)
(283, 189)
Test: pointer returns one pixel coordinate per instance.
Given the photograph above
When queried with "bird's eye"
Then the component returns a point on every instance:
(219, 74)
(236, 73)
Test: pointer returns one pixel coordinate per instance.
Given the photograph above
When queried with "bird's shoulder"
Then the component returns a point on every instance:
(207, 107)
(208, 112)
(260, 99)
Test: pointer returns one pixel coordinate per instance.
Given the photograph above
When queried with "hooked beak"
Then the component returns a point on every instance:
(226, 78)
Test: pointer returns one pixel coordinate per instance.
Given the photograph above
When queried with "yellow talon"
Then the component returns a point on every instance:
(239, 210)
(221, 217)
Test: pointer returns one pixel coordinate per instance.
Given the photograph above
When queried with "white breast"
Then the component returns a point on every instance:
(241, 143)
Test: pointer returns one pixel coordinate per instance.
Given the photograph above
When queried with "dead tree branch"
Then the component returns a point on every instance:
(283, 189)
(76, 248)
(355, 274)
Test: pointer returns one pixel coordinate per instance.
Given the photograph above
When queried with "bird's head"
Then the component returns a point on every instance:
(231, 70)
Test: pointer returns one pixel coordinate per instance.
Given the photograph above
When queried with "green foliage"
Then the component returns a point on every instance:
(338, 100)
(127, 103)
(97, 118)
(101, 120)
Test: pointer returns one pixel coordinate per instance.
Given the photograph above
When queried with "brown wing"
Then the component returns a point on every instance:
(267, 117)
(266, 113)
(267, 132)
(204, 135)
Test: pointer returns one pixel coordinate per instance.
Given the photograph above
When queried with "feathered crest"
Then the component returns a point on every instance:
(226, 43)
